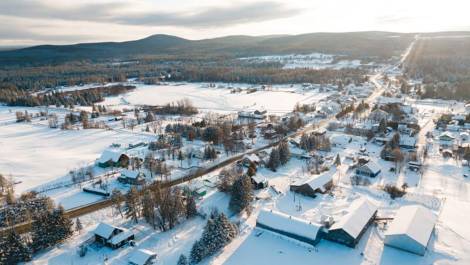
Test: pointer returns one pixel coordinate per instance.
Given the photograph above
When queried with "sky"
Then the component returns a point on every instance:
(31, 22)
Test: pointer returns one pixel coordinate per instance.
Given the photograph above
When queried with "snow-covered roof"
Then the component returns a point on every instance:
(110, 154)
(104, 230)
(130, 173)
(317, 182)
(407, 140)
(414, 221)
(354, 221)
(259, 179)
(141, 256)
(283, 222)
(252, 158)
(374, 167)
(125, 234)
(447, 134)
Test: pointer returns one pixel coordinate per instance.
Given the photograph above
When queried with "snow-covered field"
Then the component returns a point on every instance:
(33, 154)
(281, 99)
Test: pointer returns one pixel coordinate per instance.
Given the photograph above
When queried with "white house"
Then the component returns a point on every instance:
(411, 229)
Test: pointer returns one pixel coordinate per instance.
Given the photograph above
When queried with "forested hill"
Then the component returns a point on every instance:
(363, 45)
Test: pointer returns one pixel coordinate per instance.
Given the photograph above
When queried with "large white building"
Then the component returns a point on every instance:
(411, 229)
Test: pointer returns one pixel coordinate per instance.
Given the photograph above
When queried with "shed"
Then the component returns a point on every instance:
(411, 229)
(349, 230)
(142, 257)
(311, 186)
(113, 158)
(290, 226)
(112, 236)
(259, 182)
(370, 169)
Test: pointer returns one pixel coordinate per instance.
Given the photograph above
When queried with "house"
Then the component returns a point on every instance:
(251, 158)
(407, 142)
(290, 226)
(259, 182)
(411, 229)
(317, 184)
(142, 257)
(113, 158)
(446, 137)
(369, 169)
(132, 177)
(112, 236)
(350, 228)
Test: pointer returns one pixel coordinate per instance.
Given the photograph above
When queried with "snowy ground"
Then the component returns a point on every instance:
(33, 154)
(281, 99)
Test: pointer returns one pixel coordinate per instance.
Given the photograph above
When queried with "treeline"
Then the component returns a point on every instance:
(444, 66)
(180, 107)
(154, 71)
(84, 97)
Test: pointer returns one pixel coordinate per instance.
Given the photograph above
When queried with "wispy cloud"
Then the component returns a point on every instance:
(213, 17)
(116, 12)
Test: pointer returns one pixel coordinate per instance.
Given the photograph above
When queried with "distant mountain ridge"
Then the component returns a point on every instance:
(354, 44)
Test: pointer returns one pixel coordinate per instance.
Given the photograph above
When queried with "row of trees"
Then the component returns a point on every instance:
(83, 97)
(279, 156)
(311, 142)
(162, 208)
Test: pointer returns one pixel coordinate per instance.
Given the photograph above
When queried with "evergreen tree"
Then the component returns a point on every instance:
(78, 225)
(50, 228)
(337, 160)
(274, 159)
(191, 209)
(13, 249)
(198, 252)
(242, 194)
(284, 152)
(182, 260)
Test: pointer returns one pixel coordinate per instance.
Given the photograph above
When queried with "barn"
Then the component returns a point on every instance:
(113, 158)
(290, 226)
(112, 236)
(350, 228)
(370, 169)
(411, 229)
(317, 184)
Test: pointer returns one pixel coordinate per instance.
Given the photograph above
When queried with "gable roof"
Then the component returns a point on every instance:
(130, 173)
(374, 167)
(110, 155)
(141, 256)
(358, 216)
(316, 182)
(104, 230)
(414, 221)
(125, 234)
(283, 222)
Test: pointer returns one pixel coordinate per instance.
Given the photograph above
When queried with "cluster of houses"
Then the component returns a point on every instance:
(410, 230)
(455, 135)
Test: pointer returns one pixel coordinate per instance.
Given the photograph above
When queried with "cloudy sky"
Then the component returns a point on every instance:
(29, 22)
